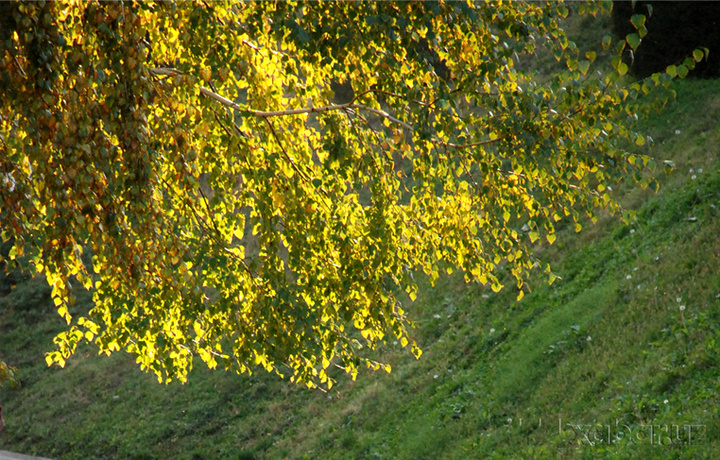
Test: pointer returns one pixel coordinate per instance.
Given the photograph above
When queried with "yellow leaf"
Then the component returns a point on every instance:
(206, 74)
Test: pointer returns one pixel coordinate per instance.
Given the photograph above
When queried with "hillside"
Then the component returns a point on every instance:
(616, 359)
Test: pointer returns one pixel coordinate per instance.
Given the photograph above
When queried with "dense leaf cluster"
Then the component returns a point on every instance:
(193, 166)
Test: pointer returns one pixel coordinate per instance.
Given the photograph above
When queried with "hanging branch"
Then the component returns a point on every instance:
(278, 113)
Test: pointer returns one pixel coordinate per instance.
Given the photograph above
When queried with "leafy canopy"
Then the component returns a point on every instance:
(256, 183)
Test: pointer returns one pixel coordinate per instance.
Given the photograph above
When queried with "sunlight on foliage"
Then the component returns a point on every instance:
(196, 166)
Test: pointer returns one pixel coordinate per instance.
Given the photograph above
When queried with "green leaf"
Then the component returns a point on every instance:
(633, 40)
(584, 66)
(637, 20)
(669, 166)
(606, 42)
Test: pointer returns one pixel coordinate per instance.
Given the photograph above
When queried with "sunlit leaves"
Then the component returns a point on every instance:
(257, 184)
(8, 375)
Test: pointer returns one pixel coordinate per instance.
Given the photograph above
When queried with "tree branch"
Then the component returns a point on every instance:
(278, 113)
(464, 146)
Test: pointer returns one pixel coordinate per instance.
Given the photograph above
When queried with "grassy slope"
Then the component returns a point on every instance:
(606, 345)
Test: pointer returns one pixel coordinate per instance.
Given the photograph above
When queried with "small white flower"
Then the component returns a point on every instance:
(665, 402)
(492, 330)
(436, 316)
(436, 376)
(629, 277)
(678, 300)
(682, 307)
(693, 177)
(699, 171)
(692, 170)
(677, 131)
(589, 338)
(632, 230)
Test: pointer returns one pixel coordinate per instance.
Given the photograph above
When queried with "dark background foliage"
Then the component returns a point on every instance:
(675, 29)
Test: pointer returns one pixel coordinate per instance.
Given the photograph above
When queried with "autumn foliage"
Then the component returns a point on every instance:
(190, 163)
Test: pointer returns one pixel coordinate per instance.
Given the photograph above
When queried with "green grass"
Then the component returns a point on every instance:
(605, 347)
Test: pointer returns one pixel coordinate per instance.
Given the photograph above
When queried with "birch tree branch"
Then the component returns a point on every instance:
(279, 113)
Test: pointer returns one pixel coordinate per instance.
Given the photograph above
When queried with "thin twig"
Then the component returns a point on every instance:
(464, 146)
(19, 66)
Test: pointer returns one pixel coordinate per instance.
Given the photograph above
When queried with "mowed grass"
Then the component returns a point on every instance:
(616, 359)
